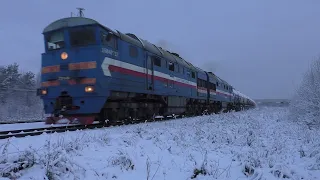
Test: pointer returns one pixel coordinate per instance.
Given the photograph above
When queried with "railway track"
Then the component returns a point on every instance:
(58, 129)
(21, 122)
(48, 130)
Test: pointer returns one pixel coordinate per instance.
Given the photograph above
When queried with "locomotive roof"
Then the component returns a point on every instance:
(69, 22)
(215, 77)
(155, 49)
(128, 37)
(199, 69)
(218, 78)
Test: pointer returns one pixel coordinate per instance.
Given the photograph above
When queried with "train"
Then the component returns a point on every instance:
(90, 72)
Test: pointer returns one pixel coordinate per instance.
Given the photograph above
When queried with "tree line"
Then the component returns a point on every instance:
(18, 98)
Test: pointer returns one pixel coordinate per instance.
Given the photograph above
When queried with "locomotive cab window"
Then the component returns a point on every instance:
(82, 37)
(55, 40)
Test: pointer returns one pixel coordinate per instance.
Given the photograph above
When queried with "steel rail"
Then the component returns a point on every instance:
(20, 122)
(58, 129)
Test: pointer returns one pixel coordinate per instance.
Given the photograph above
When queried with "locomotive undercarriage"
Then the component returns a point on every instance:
(127, 107)
(239, 106)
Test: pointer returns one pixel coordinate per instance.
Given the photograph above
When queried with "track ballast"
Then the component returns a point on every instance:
(48, 130)
(59, 129)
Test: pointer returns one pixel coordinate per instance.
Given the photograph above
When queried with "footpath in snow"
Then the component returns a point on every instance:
(260, 144)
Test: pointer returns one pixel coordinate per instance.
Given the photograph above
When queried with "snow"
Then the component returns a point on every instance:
(256, 144)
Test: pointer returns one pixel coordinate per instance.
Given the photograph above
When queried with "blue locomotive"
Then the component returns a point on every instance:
(90, 72)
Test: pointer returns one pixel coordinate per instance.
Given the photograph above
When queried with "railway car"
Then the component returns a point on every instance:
(242, 101)
(222, 92)
(90, 72)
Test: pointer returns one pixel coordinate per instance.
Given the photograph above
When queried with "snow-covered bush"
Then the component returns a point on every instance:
(123, 161)
(305, 105)
(10, 165)
(57, 160)
(55, 157)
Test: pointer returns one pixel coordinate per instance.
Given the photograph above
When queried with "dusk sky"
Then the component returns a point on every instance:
(262, 48)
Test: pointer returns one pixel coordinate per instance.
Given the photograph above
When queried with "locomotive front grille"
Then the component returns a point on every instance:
(64, 101)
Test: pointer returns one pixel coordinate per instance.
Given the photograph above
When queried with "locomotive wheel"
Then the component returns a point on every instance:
(149, 114)
(115, 116)
(103, 116)
(111, 116)
(124, 115)
(132, 115)
(126, 118)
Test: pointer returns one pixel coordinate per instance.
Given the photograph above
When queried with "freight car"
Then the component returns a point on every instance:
(91, 72)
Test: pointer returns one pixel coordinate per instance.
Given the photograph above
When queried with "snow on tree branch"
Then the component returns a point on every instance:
(305, 105)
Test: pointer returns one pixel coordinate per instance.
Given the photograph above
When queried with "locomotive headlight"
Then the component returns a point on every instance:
(89, 89)
(64, 56)
(44, 91)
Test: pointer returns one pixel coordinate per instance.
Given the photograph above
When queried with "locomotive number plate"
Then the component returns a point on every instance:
(64, 78)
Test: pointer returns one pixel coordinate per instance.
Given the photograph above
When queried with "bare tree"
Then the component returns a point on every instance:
(305, 105)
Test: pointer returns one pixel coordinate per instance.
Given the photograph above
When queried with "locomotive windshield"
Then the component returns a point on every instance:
(55, 40)
(82, 37)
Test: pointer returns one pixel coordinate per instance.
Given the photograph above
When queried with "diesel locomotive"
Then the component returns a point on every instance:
(91, 72)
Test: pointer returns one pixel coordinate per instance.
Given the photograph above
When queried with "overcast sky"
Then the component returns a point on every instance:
(262, 48)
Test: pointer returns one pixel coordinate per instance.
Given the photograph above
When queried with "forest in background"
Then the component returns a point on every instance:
(18, 99)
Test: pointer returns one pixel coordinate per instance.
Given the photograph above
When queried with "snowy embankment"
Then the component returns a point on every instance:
(257, 144)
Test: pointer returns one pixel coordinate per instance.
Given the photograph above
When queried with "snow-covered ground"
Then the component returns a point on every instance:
(260, 144)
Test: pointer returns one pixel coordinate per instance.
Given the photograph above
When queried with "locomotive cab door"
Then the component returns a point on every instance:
(149, 74)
